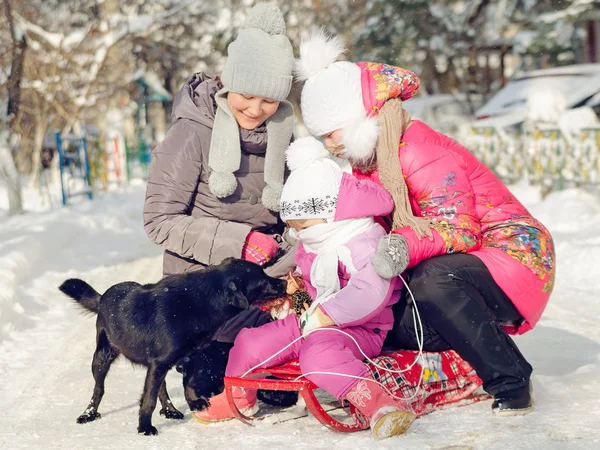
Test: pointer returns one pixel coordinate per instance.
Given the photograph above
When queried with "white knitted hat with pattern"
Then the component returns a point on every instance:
(311, 190)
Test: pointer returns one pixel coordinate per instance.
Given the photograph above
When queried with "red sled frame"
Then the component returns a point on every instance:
(286, 380)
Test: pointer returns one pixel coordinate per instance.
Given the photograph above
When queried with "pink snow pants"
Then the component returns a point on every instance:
(321, 351)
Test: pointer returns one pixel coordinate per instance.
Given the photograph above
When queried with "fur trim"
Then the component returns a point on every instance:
(267, 17)
(222, 184)
(271, 197)
(303, 151)
(359, 138)
(317, 51)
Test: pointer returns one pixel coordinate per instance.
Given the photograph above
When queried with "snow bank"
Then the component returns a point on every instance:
(69, 240)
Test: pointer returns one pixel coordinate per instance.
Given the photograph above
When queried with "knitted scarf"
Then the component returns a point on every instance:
(394, 121)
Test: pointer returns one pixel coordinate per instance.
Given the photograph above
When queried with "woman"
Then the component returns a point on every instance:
(480, 266)
(215, 181)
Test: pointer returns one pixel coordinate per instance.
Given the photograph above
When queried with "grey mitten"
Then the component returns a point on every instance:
(391, 257)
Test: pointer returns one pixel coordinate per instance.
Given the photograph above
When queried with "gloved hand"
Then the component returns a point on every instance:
(259, 248)
(391, 257)
(318, 319)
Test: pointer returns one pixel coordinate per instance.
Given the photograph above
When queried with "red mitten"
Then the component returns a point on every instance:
(259, 248)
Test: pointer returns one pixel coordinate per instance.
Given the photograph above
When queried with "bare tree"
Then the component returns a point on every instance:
(8, 170)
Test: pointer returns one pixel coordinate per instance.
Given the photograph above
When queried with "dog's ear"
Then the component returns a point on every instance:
(235, 297)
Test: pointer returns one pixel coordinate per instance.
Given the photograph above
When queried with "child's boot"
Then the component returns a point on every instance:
(388, 417)
(219, 409)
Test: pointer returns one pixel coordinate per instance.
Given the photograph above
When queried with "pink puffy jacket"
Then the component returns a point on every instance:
(474, 212)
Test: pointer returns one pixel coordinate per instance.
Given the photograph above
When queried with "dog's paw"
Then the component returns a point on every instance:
(199, 405)
(88, 417)
(171, 414)
(147, 430)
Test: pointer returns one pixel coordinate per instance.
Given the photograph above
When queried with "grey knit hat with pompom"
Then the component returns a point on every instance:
(259, 63)
(261, 59)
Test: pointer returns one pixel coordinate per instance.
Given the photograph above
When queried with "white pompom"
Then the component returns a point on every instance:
(359, 138)
(317, 51)
(304, 151)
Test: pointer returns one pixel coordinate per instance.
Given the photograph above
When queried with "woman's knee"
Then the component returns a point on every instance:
(433, 283)
(425, 280)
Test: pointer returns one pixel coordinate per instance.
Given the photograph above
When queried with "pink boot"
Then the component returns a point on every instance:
(388, 417)
(219, 409)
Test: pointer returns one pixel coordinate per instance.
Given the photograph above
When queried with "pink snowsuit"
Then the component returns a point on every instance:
(362, 308)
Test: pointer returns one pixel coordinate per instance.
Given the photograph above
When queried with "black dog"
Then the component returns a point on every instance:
(157, 325)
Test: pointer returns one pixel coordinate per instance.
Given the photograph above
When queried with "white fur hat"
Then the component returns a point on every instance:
(311, 190)
(332, 95)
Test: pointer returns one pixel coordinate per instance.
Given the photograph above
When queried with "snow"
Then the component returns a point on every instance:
(575, 9)
(53, 39)
(46, 344)
(75, 38)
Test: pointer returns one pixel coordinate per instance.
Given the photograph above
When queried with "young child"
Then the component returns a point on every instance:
(331, 214)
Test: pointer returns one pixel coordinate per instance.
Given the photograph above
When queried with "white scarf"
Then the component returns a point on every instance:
(328, 241)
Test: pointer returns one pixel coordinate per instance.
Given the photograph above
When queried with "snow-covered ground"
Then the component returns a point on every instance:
(46, 344)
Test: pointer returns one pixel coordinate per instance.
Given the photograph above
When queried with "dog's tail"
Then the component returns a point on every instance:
(82, 293)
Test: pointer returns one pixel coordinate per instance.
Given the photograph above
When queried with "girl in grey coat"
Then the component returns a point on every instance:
(215, 181)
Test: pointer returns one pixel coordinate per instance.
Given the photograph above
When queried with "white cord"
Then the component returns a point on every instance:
(419, 337)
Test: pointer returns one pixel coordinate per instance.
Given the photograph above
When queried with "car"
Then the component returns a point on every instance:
(541, 95)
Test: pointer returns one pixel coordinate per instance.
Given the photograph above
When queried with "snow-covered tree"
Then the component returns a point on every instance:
(81, 52)
(545, 28)
(11, 64)
(428, 37)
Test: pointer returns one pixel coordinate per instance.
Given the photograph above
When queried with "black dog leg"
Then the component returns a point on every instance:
(103, 358)
(168, 410)
(155, 377)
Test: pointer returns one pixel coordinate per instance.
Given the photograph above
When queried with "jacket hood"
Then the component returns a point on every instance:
(196, 100)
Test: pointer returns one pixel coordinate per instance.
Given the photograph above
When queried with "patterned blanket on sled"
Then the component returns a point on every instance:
(447, 380)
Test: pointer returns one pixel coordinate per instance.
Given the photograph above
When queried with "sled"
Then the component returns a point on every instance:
(437, 381)
(285, 379)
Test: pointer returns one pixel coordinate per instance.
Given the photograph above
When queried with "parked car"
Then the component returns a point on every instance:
(542, 95)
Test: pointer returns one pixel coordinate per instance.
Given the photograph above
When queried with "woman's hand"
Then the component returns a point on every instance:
(391, 257)
(259, 248)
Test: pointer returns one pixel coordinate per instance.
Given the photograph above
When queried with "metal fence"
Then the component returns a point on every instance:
(89, 163)
(544, 155)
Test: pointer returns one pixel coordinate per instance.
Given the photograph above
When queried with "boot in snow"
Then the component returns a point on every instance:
(219, 409)
(387, 417)
(514, 402)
